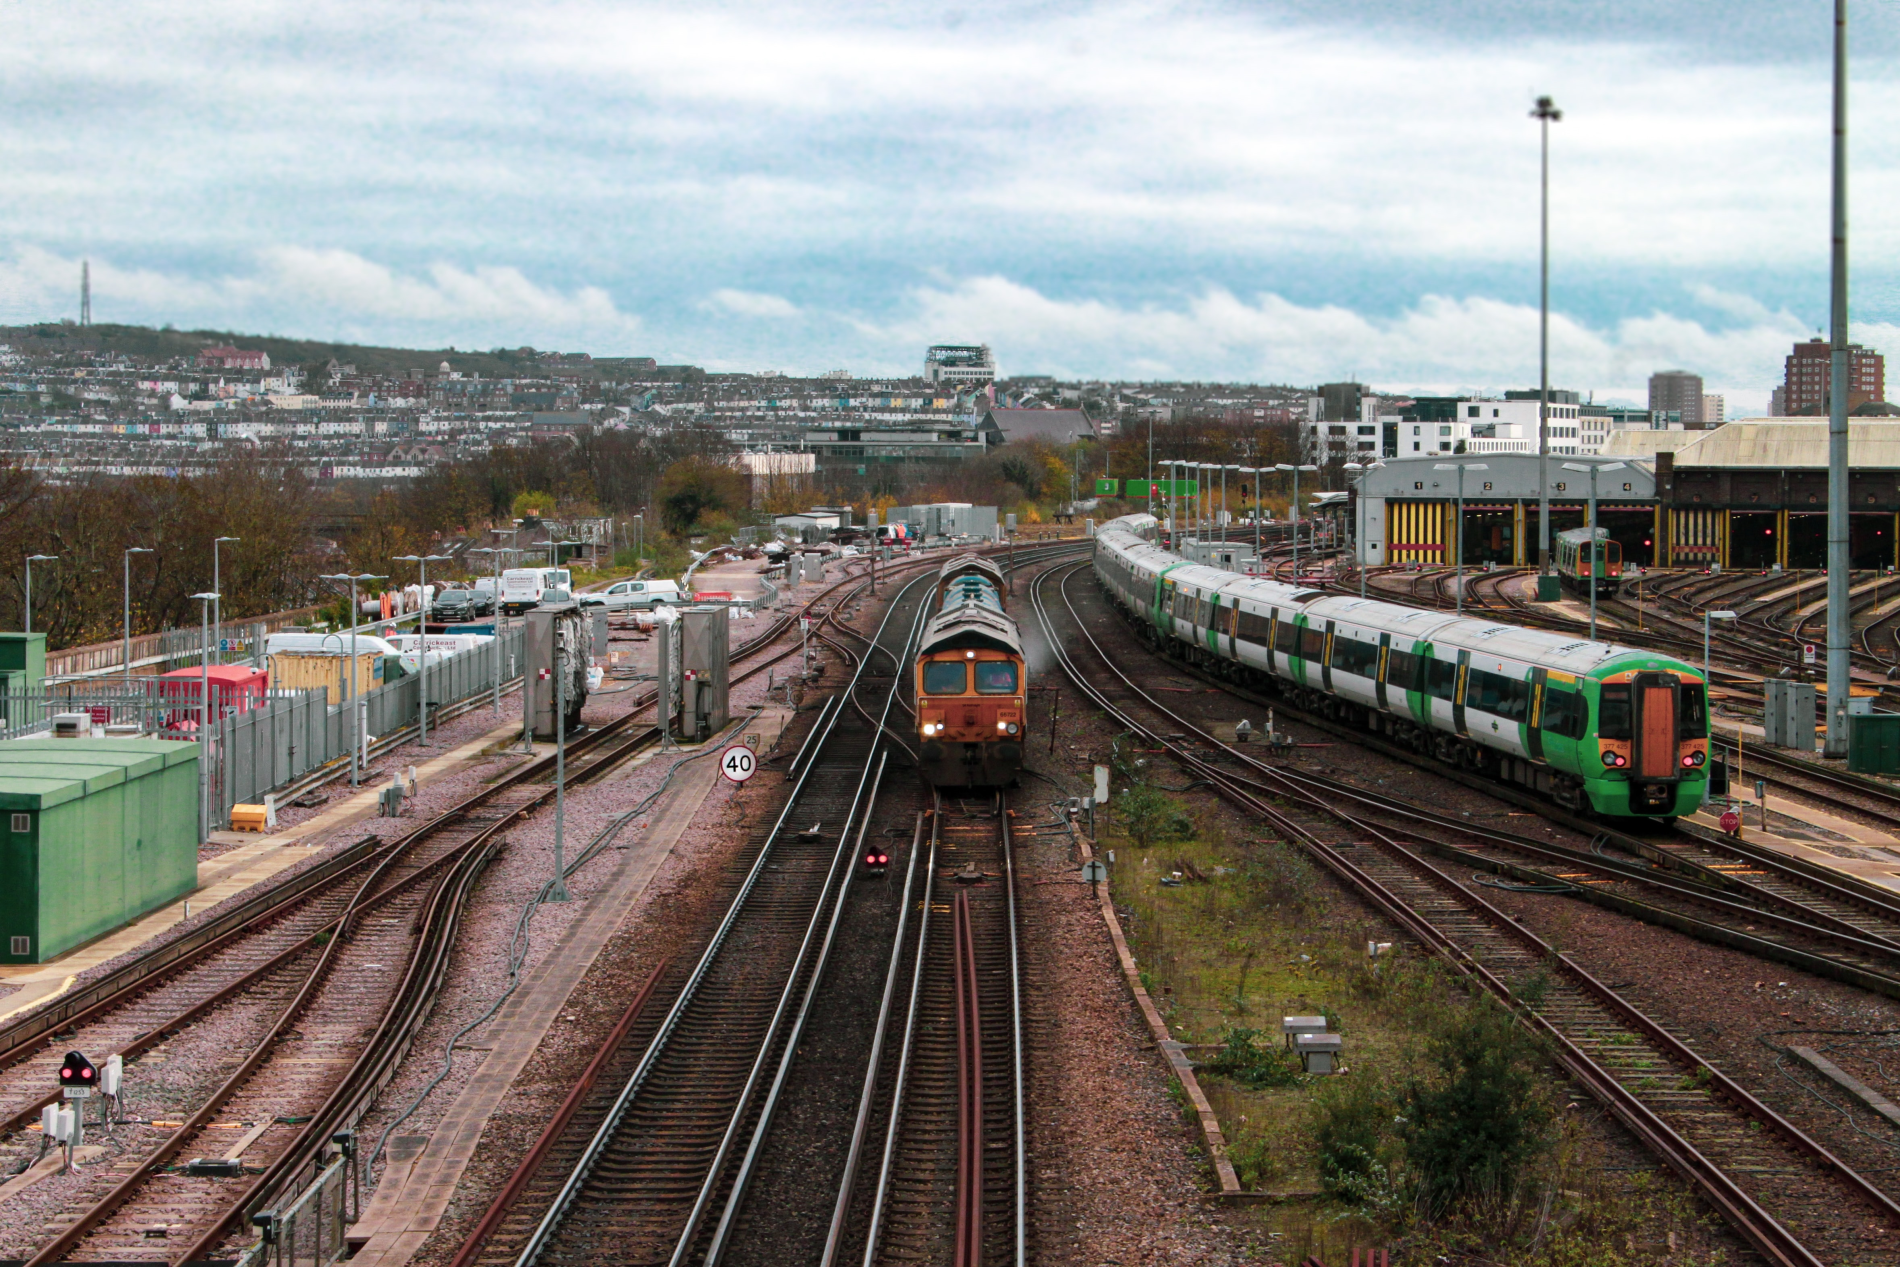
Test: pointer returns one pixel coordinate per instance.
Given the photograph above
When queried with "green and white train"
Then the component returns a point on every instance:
(1599, 728)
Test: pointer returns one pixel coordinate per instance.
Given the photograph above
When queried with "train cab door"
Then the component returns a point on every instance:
(1385, 660)
(1657, 706)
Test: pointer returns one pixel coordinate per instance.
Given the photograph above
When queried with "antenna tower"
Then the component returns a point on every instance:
(85, 292)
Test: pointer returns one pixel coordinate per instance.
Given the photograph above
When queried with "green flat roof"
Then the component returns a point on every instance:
(40, 773)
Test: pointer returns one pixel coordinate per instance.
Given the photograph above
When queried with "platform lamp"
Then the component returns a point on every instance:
(422, 562)
(205, 602)
(31, 559)
(217, 587)
(357, 761)
(1284, 466)
(127, 664)
(1708, 680)
(1592, 470)
(1459, 534)
(496, 555)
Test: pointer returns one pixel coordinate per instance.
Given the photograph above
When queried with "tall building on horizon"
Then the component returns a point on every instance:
(1810, 367)
(1678, 392)
(1714, 411)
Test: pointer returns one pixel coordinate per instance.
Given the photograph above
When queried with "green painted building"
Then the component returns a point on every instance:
(97, 832)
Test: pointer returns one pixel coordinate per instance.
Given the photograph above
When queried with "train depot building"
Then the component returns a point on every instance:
(1751, 494)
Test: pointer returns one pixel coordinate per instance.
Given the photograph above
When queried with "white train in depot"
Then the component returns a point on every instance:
(1597, 727)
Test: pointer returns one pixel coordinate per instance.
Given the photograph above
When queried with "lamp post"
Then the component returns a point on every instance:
(31, 559)
(1593, 470)
(217, 603)
(1546, 113)
(422, 562)
(357, 761)
(128, 611)
(558, 893)
(1295, 516)
(496, 556)
(205, 602)
(1707, 677)
(1458, 534)
(1839, 557)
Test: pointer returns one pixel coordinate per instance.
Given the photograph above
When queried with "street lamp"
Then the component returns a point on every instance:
(1546, 114)
(422, 562)
(496, 555)
(1458, 534)
(217, 588)
(1708, 680)
(128, 611)
(205, 601)
(1579, 466)
(1284, 466)
(31, 559)
(356, 728)
(1356, 468)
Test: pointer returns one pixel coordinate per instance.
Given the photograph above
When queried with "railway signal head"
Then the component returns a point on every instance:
(77, 1071)
(874, 861)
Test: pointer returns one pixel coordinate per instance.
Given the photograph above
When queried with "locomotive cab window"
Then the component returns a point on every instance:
(1694, 721)
(995, 677)
(944, 677)
(1613, 712)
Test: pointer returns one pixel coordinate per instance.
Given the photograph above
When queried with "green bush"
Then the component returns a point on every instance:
(1254, 1064)
(1350, 1135)
(1475, 1122)
(1151, 817)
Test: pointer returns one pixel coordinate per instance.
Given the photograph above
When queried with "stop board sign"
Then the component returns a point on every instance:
(738, 763)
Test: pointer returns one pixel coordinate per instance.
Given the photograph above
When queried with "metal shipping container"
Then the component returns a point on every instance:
(1873, 743)
(98, 832)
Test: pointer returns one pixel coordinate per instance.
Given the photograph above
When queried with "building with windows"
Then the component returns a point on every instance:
(960, 363)
(1680, 392)
(1466, 425)
(1809, 368)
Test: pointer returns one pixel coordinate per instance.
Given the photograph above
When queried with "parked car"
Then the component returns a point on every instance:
(453, 606)
(635, 595)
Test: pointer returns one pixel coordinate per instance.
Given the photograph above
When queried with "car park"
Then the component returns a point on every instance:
(635, 595)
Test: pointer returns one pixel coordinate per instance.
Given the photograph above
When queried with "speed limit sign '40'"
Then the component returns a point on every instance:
(738, 763)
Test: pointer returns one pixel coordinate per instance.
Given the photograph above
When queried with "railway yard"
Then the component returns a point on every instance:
(830, 1013)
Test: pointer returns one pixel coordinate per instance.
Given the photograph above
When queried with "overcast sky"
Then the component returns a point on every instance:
(1292, 192)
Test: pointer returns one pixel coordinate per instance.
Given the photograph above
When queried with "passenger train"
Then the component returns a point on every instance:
(1597, 727)
(970, 680)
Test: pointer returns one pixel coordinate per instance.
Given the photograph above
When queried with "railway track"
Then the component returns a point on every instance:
(1791, 1198)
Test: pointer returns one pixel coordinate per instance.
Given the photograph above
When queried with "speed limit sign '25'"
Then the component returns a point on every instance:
(738, 763)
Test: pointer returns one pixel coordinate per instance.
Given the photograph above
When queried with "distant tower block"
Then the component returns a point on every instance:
(85, 292)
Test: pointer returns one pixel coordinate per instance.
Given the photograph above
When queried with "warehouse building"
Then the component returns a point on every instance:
(1751, 494)
(98, 832)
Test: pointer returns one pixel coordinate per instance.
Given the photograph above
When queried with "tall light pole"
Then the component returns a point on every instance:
(205, 601)
(496, 556)
(1838, 557)
(1458, 534)
(31, 559)
(1707, 677)
(422, 562)
(128, 611)
(1593, 470)
(1295, 516)
(558, 893)
(1546, 114)
(217, 588)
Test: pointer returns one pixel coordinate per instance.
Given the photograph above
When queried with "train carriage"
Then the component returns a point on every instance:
(1574, 567)
(970, 681)
(1597, 727)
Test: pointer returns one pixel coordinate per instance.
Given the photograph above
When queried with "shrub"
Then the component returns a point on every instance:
(1350, 1136)
(1476, 1121)
(1151, 817)
(1254, 1064)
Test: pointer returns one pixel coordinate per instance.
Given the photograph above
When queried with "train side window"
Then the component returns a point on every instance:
(1352, 656)
(1565, 714)
(995, 677)
(1694, 722)
(1613, 713)
(1441, 676)
(1253, 627)
(1313, 644)
(1401, 669)
(944, 677)
(1287, 640)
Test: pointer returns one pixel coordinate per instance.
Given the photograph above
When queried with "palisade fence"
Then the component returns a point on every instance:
(278, 739)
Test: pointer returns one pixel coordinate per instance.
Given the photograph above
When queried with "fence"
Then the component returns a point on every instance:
(268, 740)
(309, 1231)
(167, 649)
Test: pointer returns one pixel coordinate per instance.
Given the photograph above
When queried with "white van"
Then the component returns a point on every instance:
(326, 644)
(522, 588)
(634, 595)
(440, 647)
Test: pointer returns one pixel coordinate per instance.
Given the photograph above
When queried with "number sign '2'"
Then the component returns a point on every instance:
(738, 763)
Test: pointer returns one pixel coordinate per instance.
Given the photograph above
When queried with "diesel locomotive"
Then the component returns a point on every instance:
(1598, 728)
(970, 681)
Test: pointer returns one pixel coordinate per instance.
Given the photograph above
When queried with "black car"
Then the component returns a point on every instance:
(457, 606)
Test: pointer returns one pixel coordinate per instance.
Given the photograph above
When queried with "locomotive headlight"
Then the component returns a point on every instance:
(1609, 758)
(930, 728)
(1002, 725)
(1012, 728)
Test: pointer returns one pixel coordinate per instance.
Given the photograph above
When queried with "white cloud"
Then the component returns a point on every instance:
(1438, 344)
(323, 294)
(747, 303)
